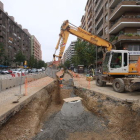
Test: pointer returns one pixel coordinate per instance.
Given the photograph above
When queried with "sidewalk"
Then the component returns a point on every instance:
(8, 96)
(81, 82)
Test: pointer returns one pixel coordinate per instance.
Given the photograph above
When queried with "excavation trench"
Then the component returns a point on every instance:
(102, 118)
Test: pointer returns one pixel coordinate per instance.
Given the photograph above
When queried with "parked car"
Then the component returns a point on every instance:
(25, 71)
(34, 70)
(40, 70)
(4, 71)
(16, 71)
(43, 68)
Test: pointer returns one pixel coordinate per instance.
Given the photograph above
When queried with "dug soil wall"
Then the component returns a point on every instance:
(27, 122)
(123, 117)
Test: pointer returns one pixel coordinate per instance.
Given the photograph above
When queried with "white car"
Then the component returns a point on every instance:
(25, 71)
(39, 70)
(4, 72)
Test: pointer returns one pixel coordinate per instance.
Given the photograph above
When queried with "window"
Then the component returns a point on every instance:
(125, 59)
(106, 30)
(116, 60)
(138, 31)
(135, 47)
(106, 6)
(106, 18)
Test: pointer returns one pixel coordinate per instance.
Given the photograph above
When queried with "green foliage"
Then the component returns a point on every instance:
(121, 32)
(129, 34)
(62, 66)
(34, 63)
(85, 53)
(116, 37)
(20, 57)
(137, 34)
(112, 38)
(41, 64)
(31, 62)
(6, 61)
(67, 64)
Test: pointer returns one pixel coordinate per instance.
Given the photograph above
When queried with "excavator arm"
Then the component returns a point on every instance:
(68, 28)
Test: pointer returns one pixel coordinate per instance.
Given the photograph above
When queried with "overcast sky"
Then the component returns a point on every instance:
(43, 19)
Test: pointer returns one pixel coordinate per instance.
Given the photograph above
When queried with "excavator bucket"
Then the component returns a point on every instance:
(138, 65)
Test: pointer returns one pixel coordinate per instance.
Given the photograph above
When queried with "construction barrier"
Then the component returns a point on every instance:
(16, 80)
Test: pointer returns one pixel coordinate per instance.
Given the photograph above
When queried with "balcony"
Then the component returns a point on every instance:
(99, 13)
(89, 8)
(100, 30)
(0, 15)
(99, 20)
(90, 29)
(126, 37)
(98, 5)
(122, 7)
(123, 22)
(90, 22)
(114, 3)
(89, 2)
(89, 15)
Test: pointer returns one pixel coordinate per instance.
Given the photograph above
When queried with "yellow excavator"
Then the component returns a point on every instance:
(116, 67)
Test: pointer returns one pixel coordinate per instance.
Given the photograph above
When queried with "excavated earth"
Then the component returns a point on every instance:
(103, 118)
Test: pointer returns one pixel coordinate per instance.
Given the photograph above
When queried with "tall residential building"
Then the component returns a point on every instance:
(36, 48)
(13, 37)
(69, 52)
(87, 18)
(117, 21)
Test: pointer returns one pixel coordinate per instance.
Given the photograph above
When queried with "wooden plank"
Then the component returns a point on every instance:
(72, 99)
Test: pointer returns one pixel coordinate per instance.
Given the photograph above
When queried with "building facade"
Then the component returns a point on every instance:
(13, 37)
(36, 48)
(69, 53)
(117, 21)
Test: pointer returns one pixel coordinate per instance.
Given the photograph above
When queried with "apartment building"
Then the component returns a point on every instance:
(87, 18)
(13, 37)
(69, 52)
(117, 21)
(36, 48)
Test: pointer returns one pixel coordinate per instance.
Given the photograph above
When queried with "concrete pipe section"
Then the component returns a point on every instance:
(72, 107)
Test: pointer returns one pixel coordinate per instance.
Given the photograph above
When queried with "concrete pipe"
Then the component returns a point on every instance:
(72, 109)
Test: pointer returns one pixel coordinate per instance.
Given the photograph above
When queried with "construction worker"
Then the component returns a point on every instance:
(119, 60)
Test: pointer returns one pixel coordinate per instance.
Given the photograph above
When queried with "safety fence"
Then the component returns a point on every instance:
(22, 79)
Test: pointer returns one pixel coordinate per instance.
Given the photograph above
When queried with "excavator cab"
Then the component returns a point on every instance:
(116, 62)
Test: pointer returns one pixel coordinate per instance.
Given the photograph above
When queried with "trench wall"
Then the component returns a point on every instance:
(123, 117)
(42, 95)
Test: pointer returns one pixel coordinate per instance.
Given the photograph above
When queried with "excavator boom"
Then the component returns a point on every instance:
(68, 28)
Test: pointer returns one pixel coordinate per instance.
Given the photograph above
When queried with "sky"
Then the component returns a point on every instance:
(43, 18)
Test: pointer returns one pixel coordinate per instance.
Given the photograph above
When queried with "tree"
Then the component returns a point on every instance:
(31, 62)
(84, 53)
(67, 64)
(34, 63)
(41, 64)
(20, 57)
